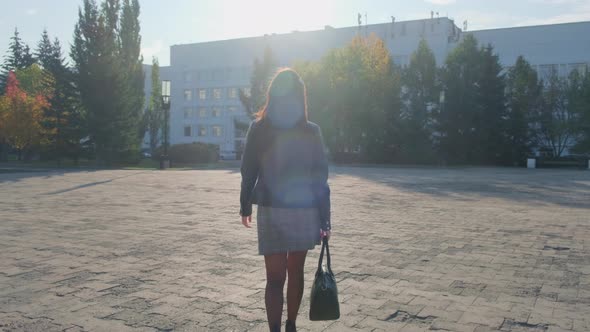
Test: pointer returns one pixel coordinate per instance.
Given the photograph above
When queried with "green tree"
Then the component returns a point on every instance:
(107, 67)
(556, 120)
(318, 89)
(130, 49)
(456, 117)
(420, 97)
(491, 109)
(583, 109)
(261, 75)
(35, 80)
(523, 91)
(154, 116)
(354, 93)
(254, 99)
(470, 121)
(64, 118)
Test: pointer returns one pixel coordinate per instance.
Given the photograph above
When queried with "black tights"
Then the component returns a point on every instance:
(277, 268)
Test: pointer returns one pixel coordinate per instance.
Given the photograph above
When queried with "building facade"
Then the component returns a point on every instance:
(206, 77)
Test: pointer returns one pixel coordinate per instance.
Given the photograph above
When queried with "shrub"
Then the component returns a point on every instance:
(191, 153)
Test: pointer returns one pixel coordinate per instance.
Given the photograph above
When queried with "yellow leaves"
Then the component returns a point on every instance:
(373, 53)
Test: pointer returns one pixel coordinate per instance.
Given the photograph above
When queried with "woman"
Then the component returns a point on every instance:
(285, 172)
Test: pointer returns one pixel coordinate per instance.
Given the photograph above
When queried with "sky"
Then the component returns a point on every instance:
(170, 22)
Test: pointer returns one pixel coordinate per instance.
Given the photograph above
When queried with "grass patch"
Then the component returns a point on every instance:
(144, 164)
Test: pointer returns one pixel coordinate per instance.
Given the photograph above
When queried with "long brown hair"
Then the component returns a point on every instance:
(286, 82)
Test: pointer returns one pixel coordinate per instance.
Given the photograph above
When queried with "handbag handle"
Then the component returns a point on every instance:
(327, 247)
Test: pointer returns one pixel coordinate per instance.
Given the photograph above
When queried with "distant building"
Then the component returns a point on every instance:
(205, 77)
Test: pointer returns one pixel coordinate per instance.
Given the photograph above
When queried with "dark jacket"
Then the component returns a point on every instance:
(285, 168)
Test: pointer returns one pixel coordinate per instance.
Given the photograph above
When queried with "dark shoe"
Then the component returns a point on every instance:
(290, 326)
(276, 328)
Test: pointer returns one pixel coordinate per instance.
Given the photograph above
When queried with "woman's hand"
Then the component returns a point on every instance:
(325, 234)
(246, 221)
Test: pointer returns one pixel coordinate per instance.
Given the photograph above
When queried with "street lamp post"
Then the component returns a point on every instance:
(164, 161)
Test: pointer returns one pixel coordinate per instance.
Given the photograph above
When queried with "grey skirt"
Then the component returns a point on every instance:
(281, 230)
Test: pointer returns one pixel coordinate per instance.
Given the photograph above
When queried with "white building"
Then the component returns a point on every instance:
(205, 77)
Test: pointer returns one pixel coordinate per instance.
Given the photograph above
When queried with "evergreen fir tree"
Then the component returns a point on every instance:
(110, 77)
(64, 117)
(470, 121)
(154, 116)
(456, 118)
(18, 57)
(491, 110)
(420, 98)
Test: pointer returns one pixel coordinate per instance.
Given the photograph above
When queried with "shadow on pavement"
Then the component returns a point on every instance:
(568, 188)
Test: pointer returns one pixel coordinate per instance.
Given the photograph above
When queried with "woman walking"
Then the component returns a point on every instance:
(285, 172)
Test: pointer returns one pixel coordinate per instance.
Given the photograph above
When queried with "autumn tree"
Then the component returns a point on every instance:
(20, 117)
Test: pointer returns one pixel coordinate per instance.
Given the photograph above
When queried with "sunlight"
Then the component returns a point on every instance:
(253, 18)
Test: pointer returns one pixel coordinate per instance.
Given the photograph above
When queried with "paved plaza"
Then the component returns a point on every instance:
(465, 249)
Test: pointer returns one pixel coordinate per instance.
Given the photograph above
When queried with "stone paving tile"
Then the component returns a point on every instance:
(465, 249)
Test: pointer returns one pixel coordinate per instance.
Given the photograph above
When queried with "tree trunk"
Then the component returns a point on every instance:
(28, 155)
(3, 152)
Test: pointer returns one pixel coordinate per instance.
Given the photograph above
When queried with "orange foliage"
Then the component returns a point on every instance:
(21, 116)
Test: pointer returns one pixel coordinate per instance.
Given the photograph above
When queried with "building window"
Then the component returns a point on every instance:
(216, 112)
(218, 74)
(187, 131)
(563, 70)
(188, 113)
(188, 95)
(579, 67)
(202, 131)
(547, 71)
(240, 133)
(188, 76)
(217, 93)
(202, 112)
(202, 94)
(205, 75)
(245, 72)
(247, 92)
(217, 132)
(232, 109)
(233, 93)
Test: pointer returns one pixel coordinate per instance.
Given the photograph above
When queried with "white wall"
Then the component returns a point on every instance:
(228, 63)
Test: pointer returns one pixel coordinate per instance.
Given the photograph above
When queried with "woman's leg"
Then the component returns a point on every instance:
(295, 266)
(276, 273)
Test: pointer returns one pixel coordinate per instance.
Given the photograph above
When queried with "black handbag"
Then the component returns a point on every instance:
(324, 293)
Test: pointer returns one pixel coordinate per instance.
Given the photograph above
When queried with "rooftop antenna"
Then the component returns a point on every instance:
(360, 20)
(392, 26)
(465, 25)
(366, 25)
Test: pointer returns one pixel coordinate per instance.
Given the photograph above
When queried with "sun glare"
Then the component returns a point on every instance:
(260, 17)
